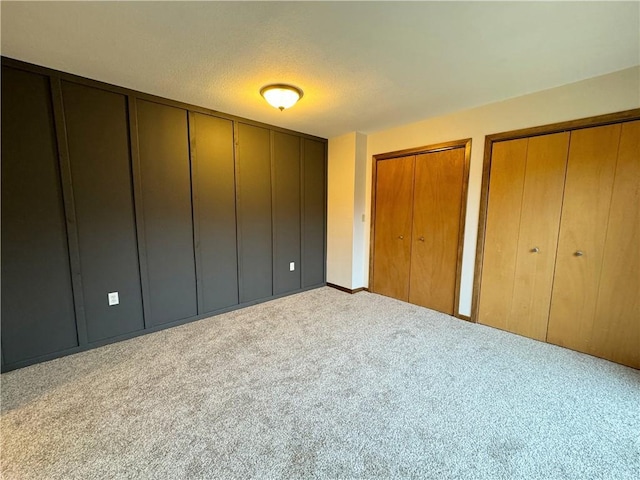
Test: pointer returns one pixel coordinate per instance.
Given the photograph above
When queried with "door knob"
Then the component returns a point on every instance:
(401, 237)
(421, 239)
(579, 253)
(535, 250)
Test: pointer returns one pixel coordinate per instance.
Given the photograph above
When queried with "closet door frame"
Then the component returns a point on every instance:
(597, 121)
(439, 147)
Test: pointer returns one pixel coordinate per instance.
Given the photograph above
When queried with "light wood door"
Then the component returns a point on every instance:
(538, 235)
(436, 228)
(508, 164)
(525, 201)
(616, 327)
(585, 214)
(392, 239)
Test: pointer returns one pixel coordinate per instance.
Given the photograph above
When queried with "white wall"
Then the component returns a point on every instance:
(605, 94)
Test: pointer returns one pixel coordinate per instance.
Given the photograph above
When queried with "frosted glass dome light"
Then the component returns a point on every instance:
(281, 96)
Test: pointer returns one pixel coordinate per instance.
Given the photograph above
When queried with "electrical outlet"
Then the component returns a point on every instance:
(363, 218)
(114, 299)
(292, 266)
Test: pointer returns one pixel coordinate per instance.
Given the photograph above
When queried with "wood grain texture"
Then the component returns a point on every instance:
(588, 187)
(394, 210)
(616, 327)
(539, 225)
(436, 226)
(508, 164)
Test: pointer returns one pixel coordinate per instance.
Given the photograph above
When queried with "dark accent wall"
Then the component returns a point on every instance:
(97, 135)
(183, 211)
(214, 193)
(315, 212)
(37, 299)
(286, 212)
(165, 175)
(254, 212)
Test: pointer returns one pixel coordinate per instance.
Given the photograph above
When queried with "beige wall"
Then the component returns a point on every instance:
(346, 205)
(605, 94)
(341, 174)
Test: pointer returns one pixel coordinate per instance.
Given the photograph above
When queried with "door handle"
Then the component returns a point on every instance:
(421, 239)
(401, 237)
(535, 250)
(579, 253)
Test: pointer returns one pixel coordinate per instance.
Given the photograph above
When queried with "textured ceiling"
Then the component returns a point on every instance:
(363, 66)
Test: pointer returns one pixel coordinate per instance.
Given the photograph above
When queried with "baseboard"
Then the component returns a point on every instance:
(347, 290)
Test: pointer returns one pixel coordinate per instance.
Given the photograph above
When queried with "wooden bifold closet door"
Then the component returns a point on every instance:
(596, 294)
(561, 257)
(418, 205)
(525, 201)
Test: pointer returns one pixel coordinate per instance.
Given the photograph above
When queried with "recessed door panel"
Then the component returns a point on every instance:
(538, 235)
(616, 327)
(506, 184)
(436, 228)
(392, 242)
(583, 229)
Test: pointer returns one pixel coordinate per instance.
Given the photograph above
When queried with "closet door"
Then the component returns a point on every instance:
(436, 227)
(215, 198)
(508, 164)
(254, 212)
(538, 235)
(394, 212)
(525, 201)
(166, 197)
(616, 327)
(38, 315)
(596, 288)
(98, 141)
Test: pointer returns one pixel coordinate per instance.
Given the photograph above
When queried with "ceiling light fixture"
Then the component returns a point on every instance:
(281, 96)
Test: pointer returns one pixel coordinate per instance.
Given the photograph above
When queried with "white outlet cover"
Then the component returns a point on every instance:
(114, 299)
(292, 266)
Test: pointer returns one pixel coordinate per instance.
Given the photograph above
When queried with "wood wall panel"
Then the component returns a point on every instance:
(166, 197)
(98, 142)
(37, 301)
(254, 212)
(314, 212)
(215, 195)
(286, 212)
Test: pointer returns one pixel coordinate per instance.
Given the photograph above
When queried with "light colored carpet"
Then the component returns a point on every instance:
(323, 385)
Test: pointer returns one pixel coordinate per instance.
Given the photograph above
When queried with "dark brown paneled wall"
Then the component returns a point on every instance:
(165, 176)
(98, 144)
(37, 302)
(183, 211)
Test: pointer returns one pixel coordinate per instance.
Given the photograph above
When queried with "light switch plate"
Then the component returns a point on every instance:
(114, 299)
(292, 266)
